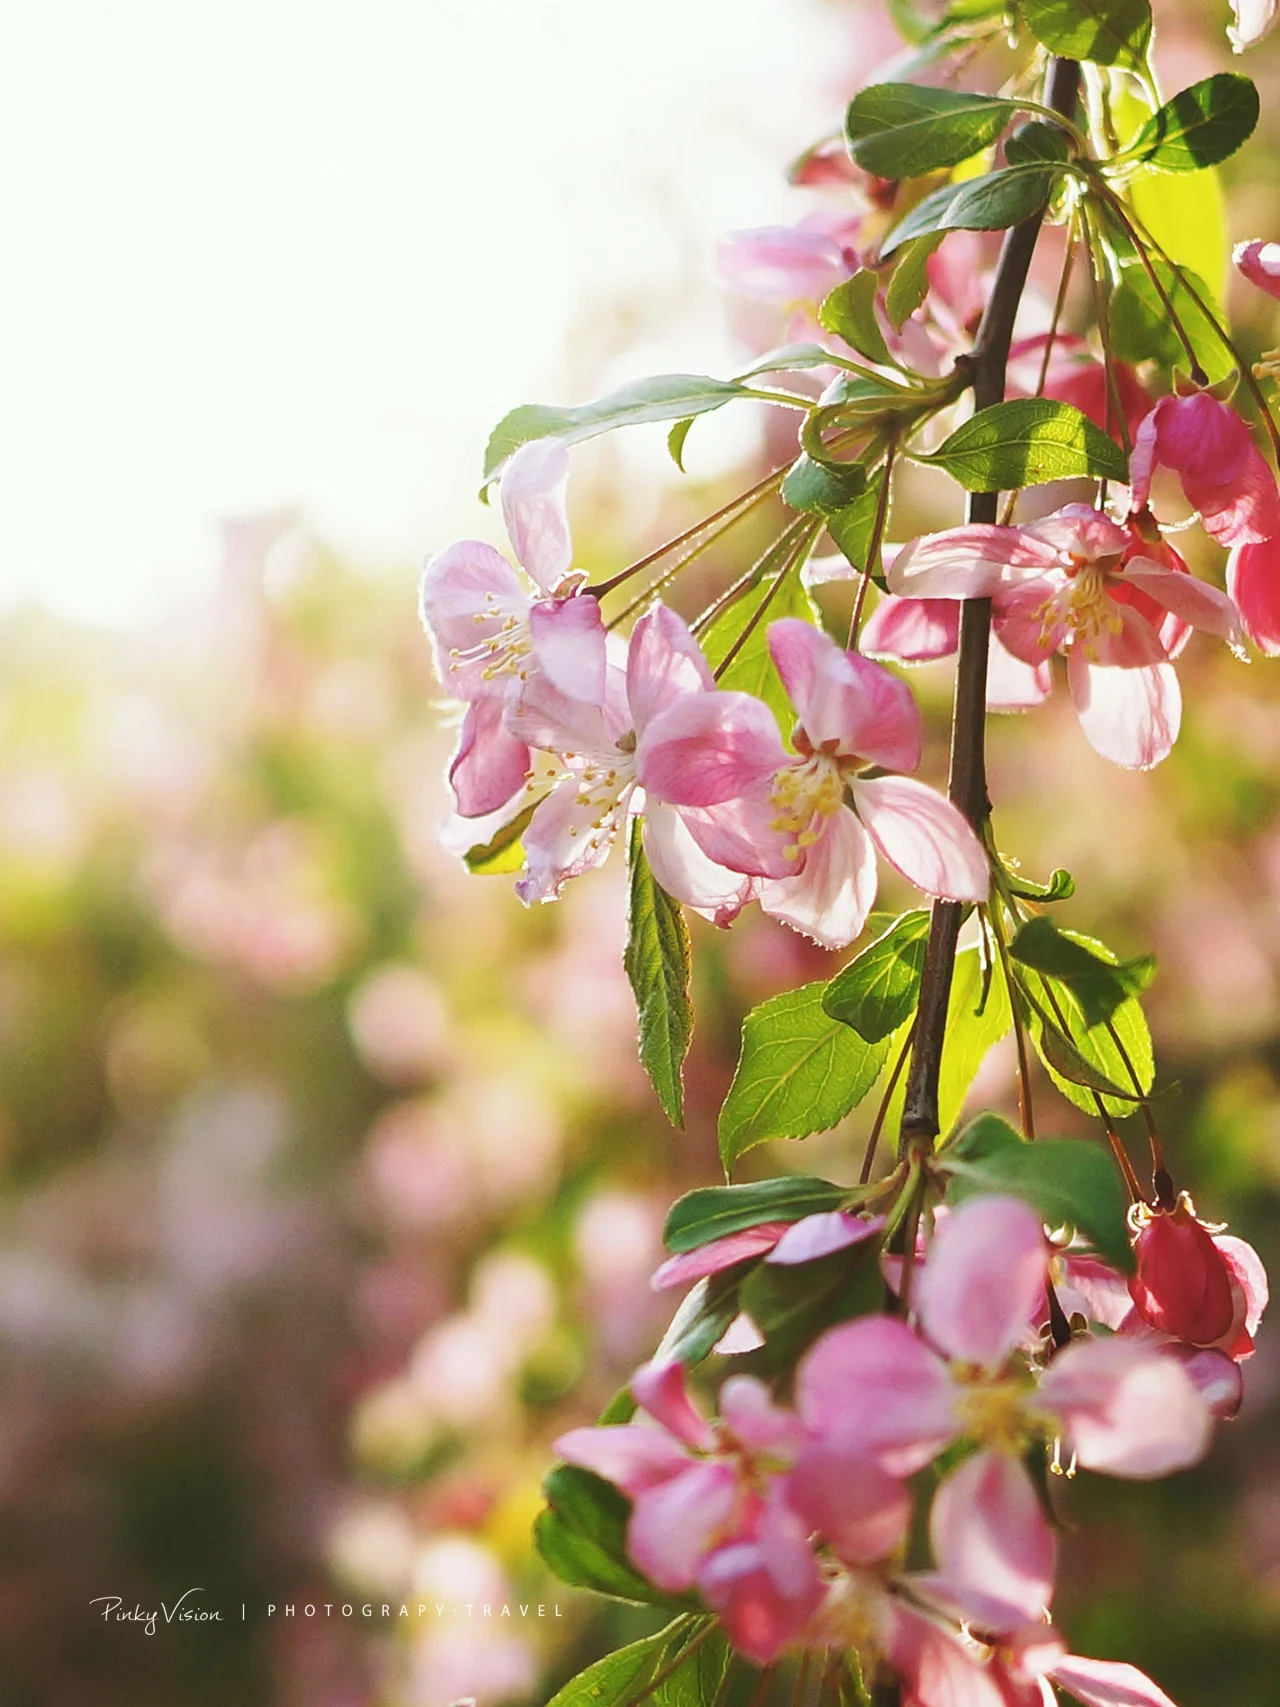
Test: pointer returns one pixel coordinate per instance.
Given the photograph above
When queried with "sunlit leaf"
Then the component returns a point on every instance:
(902, 130)
(657, 963)
(879, 988)
(1200, 126)
(1027, 442)
(712, 1212)
(989, 203)
(1108, 32)
(849, 311)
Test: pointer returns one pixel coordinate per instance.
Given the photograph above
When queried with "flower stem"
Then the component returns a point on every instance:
(968, 782)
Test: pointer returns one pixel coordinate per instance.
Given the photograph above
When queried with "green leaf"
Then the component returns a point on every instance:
(582, 1536)
(853, 527)
(616, 1677)
(1060, 887)
(791, 1304)
(1186, 215)
(902, 130)
(1037, 141)
(787, 358)
(702, 1320)
(753, 670)
(697, 1682)
(799, 1072)
(1100, 984)
(658, 965)
(850, 312)
(1108, 32)
(711, 1212)
(1027, 442)
(879, 988)
(909, 285)
(988, 203)
(822, 488)
(675, 441)
(667, 397)
(503, 851)
(1068, 1182)
(1200, 126)
(974, 1027)
(1089, 1053)
(1142, 328)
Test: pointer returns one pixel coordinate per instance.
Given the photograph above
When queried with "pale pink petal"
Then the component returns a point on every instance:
(936, 1668)
(1244, 510)
(911, 631)
(846, 703)
(1028, 619)
(1130, 713)
(764, 1586)
(968, 562)
(1249, 1274)
(717, 1255)
(742, 835)
(872, 1386)
(1215, 1376)
(660, 1389)
(1142, 458)
(1096, 1289)
(631, 1456)
(1196, 602)
(1253, 581)
(533, 507)
(664, 661)
(924, 836)
(1202, 439)
(856, 1505)
(1259, 262)
(831, 896)
(685, 872)
(708, 748)
(675, 1523)
(543, 717)
(781, 263)
(1126, 1410)
(983, 1280)
(1107, 1683)
(994, 1551)
(740, 1337)
(818, 1235)
(570, 833)
(473, 604)
(1079, 531)
(747, 1409)
(490, 766)
(569, 645)
(1013, 685)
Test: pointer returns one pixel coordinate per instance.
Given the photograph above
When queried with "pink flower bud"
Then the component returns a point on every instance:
(1259, 262)
(1183, 1284)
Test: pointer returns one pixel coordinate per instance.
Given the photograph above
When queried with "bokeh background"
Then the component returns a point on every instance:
(329, 1187)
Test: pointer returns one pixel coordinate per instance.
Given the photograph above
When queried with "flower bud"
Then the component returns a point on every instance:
(1183, 1284)
(1259, 262)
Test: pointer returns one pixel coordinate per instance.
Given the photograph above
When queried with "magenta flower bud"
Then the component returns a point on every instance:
(1182, 1286)
(1259, 262)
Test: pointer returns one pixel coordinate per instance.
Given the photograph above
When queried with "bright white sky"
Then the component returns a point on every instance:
(305, 252)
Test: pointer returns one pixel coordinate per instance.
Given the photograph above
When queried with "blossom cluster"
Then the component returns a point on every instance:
(792, 1520)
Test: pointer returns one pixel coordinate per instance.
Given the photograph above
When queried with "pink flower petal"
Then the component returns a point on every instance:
(708, 748)
(569, 645)
(995, 1553)
(765, 1586)
(676, 1523)
(1106, 1683)
(470, 601)
(1253, 20)
(860, 1509)
(533, 507)
(1249, 1274)
(1028, 619)
(1079, 531)
(983, 1280)
(567, 835)
(844, 701)
(740, 835)
(719, 1254)
(631, 1456)
(664, 661)
(1013, 685)
(818, 1235)
(1215, 1376)
(782, 263)
(1196, 602)
(829, 899)
(1182, 1285)
(872, 1386)
(491, 765)
(1253, 581)
(1259, 262)
(911, 631)
(924, 836)
(660, 1389)
(1130, 713)
(968, 562)
(539, 714)
(684, 871)
(1126, 1410)
(749, 1413)
(1243, 510)
(936, 1668)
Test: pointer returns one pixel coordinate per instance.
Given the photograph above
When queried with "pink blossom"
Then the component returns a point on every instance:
(807, 824)
(793, 265)
(1259, 262)
(1253, 19)
(1253, 580)
(1198, 1286)
(708, 1503)
(1077, 582)
(781, 1242)
(491, 630)
(917, 631)
(576, 822)
(1223, 473)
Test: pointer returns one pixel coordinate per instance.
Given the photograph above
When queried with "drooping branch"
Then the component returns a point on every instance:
(968, 778)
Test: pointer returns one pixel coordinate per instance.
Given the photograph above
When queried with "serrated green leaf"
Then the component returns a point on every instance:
(850, 312)
(1037, 141)
(1090, 1052)
(697, 1682)
(989, 203)
(879, 988)
(503, 851)
(1142, 328)
(1067, 1182)
(752, 669)
(1100, 984)
(582, 1536)
(787, 358)
(1108, 32)
(1201, 126)
(853, 528)
(902, 130)
(658, 966)
(1027, 442)
(909, 285)
(616, 1677)
(799, 1072)
(822, 488)
(712, 1212)
(666, 397)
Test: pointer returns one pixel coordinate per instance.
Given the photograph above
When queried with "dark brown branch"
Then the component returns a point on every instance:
(968, 781)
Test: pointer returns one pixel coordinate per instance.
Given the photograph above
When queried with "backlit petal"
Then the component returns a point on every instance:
(873, 1386)
(533, 507)
(830, 898)
(924, 836)
(983, 1279)
(994, 1550)
(1126, 1409)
